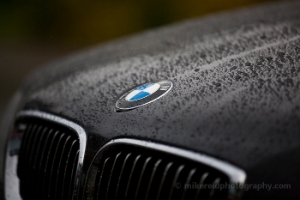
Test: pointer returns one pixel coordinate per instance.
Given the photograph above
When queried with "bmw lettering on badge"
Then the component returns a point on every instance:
(143, 95)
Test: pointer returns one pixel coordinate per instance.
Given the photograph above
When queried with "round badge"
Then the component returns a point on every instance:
(143, 94)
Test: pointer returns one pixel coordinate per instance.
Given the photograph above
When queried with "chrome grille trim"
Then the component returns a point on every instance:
(12, 183)
(78, 129)
(235, 175)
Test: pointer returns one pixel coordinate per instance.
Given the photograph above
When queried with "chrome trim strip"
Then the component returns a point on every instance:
(14, 145)
(236, 175)
(80, 131)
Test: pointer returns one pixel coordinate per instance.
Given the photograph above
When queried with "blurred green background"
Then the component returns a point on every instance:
(35, 32)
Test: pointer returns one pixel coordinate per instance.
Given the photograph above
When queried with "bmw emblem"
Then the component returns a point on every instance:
(143, 95)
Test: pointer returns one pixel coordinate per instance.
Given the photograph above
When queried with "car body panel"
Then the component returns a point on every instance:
(235, 95)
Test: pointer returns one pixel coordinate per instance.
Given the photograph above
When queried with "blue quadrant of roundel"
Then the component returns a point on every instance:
(140, 95)
(142, 92)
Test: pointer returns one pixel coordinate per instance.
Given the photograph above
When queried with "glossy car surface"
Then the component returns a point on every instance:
(235, 97)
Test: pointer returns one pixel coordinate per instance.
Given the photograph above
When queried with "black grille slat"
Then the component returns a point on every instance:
(212, 191)
(27, 146)
(131, 172)
(154, 172)
(119, 192)
(73, 174)
(66, 179)
(42, 164)
(161, 184)
(209, 180)
(37, 159)
(54, 165)
(137, 158)
(112, 173)
(48, 160)
(141, 176)
(202, 180)
(101, 176)
(61, 166)
(188, 181)
(34, 146)
(175, 180)
(48, 165)
(40, 144)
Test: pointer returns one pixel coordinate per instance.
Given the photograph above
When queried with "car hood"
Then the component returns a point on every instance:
(235, 96)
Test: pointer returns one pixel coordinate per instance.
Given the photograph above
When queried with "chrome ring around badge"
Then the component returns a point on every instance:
(143, 95)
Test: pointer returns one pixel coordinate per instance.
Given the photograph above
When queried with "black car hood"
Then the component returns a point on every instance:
(236, 92)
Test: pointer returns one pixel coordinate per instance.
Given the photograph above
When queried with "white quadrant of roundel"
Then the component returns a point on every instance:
(142, 92)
